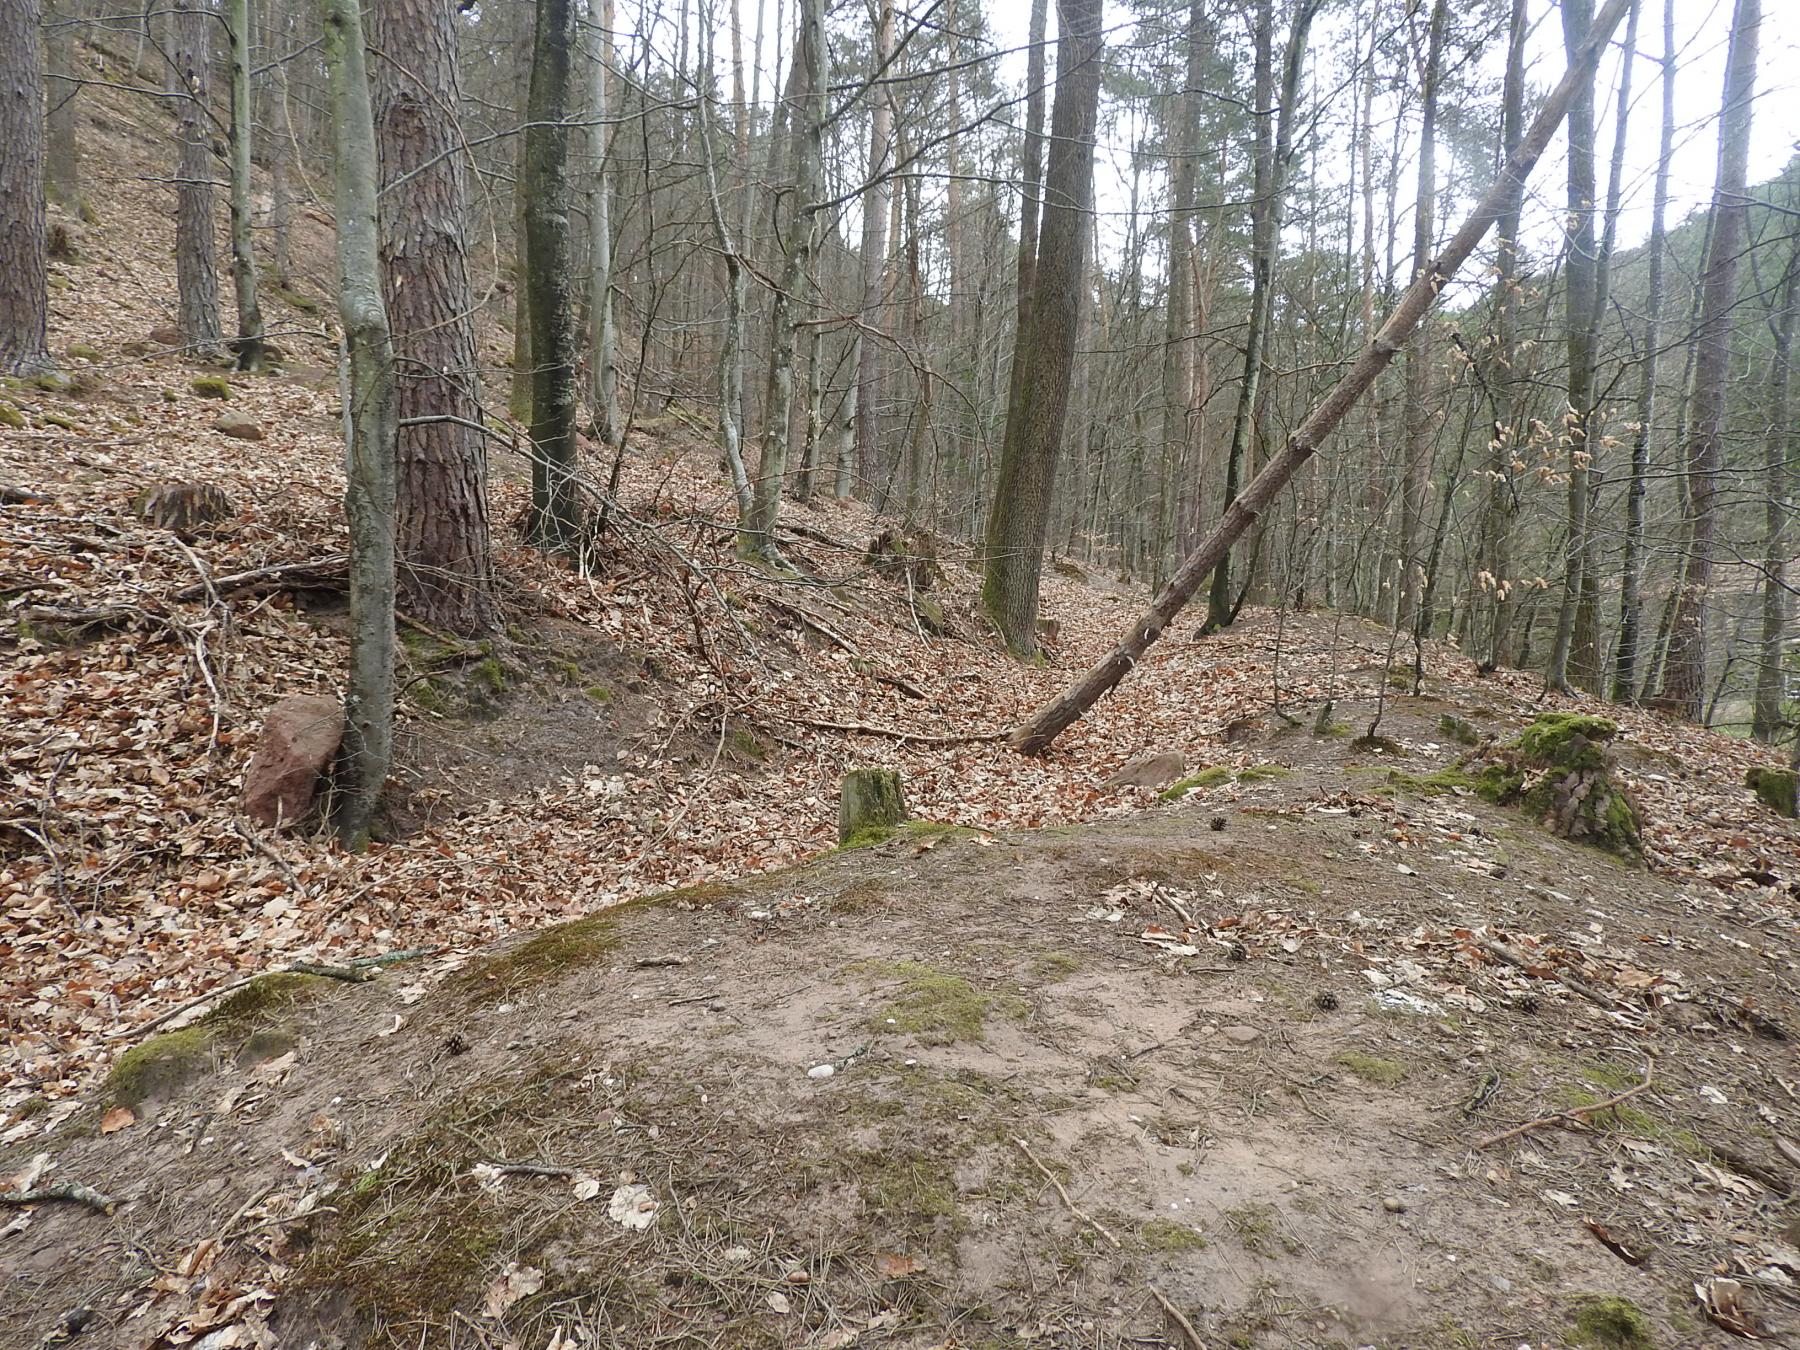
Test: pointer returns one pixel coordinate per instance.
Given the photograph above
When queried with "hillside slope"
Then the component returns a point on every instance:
(1247, 1053)
(674, 718)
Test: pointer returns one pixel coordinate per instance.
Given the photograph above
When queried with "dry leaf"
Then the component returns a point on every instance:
(632, 1206)
(117, 1118)
(512, 1284)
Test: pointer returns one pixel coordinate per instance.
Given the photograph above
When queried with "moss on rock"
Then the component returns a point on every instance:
(1777, 789)
(1560, 771)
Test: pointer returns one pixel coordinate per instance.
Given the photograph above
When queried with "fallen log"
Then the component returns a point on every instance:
(1035, 735)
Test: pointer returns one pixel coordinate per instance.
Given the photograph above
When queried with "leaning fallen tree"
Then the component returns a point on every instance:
(1035, 735)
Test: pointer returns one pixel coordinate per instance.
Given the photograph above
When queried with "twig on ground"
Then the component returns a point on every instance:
(647, 962)
(1577, 1115)
(1176, 1316)
(1061, 1190)
(72, 1191)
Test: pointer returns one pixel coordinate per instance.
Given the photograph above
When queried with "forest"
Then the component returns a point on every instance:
(838, 672)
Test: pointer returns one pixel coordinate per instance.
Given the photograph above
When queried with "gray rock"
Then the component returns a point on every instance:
(239, 427)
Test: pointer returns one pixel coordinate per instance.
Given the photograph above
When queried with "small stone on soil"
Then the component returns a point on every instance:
(1241, 1035)
(1393, 1204)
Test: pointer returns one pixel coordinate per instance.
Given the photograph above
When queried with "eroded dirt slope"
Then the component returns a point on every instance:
(1236, 1057)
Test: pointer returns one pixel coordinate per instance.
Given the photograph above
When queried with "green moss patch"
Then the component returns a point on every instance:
(1608, 1322)
(1165, 1235)
(937, 1006)
(1385, 1073)
(211, 386)
(1777, 789)
(167, 1062)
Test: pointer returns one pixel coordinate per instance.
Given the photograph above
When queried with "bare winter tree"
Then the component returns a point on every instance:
(1019, 523)
(1684, 672)
(249, 344)
(370, 429)
(548, 281)
(1037, 732)
(196, 273)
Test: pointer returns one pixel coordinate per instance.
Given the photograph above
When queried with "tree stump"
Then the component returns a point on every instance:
(1560, 772)
(871, 805)
(183, 507)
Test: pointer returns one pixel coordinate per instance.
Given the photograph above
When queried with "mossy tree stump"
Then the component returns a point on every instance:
(871, 801)
(1777, 789)
(1561, 772)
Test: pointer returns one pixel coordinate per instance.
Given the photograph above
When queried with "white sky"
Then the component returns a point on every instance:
(1702, 29)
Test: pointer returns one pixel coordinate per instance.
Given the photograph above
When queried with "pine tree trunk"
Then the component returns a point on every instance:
(1684, 672)
(1043, 360)
(369, 411)
(196, 276)
(249, 344)
(441, 526)
(24, 258)
(549, 273)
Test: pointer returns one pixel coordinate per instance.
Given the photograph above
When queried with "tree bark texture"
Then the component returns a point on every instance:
(1684, 673)
(249, 345)
(441, 530)
(24, 259)
(1044, 359)
(548, 281)
(196, 273)
(369, 411)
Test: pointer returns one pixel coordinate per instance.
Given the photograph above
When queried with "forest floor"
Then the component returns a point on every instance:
(1095, 1055)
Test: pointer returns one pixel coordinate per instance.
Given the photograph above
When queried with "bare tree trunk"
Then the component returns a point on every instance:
(1684, 673)
(1179, 415)
(731, 349)
(196, 279)
(756, 537)
(249, 344)
(1274, 147)
(1419, 418)
(1495, 648)
(1631, 589)
(1781, 469)
(874, 251)
(1044, 356)
(603, 375)
(1036, 733)
(24, 258)
(370, 417)
(441, 525)
(1031, 192)
(62, 169)
(1580, 321)
(555, 505)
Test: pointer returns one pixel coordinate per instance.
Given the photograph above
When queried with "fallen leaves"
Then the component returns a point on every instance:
(117, 1118)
